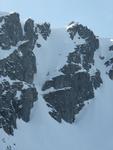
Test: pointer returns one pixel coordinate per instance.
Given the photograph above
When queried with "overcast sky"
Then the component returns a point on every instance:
(96, 14)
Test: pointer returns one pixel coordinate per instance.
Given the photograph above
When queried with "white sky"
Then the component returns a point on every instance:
(96, 14)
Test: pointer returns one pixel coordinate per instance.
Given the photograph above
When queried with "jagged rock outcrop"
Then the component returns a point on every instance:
(84, 53)
(10, 30)
(16, 101)
(96, 79)
(44, 30)
(76, 85)
(71, 92)
(109, 63)
(84, 33)
(111, 48)
(16, 64)
(17, 91)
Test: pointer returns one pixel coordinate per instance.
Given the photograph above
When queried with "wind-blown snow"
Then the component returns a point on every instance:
(72, 25)
(93, 127)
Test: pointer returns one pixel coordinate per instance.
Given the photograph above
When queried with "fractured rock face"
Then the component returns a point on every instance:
(96, 79)
(44, 30)
(84, 53)
(16, 101)
(17, 92)
(76, 85)
(16, 66)
(10, 30)
(30, 34)
(107, 64)
(111, 48)
(84, 33)
(70, 94)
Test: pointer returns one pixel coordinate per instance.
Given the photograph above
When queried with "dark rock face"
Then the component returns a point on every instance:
(16, 65)
(17, 92)
(44, 30)
(18, 69)
(10, 31)
(30, 34)
(16, 101)
(70, 68)
(84, 33)
(83, 51)
(66, 102)
(107, 64)
(96, 79)
(111, 48)
(76, 85)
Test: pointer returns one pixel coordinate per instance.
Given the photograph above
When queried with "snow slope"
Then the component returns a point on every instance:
(6, 53)
(3, 13)
(94, 125)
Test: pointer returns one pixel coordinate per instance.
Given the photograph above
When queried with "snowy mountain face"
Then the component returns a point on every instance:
(55, 87)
